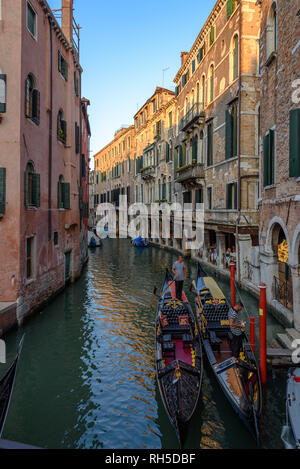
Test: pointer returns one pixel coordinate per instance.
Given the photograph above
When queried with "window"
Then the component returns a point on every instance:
(32, 100)
(209, 198)
(29, 257)
(63, 192)
(2, 93)
(271, 32)
(193, 66)
(269, 158)
(76, 84)
(235, 58)
(211, 83)
(295, 143)
(231, 132)
(170, 119)
(154, 106)
(62, 66)
(31, 20)
(187, 197)
(2, 190)
(202, 97)
(55, 238)
(210, 139)
(32, 187)
(201, 53)
(231, 196)
(199, 196)
(61, 128)
(167, 152)
(231, 6)
(77, 138)
(212, 35)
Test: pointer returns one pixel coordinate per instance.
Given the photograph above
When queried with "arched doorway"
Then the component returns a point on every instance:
(283, 280)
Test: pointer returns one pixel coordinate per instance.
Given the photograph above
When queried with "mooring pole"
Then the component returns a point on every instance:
(252, 333)
(263, 332)
(232, 281)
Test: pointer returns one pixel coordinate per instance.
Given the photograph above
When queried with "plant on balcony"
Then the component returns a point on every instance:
(145, 169)
(182, 168)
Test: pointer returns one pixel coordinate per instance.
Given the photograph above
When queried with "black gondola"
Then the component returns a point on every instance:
(178, 357)
(6, 389)
(239, 378)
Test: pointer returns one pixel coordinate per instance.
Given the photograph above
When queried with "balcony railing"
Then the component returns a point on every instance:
(283, 292)
(190, 173)
(148, 172)
(192, 116)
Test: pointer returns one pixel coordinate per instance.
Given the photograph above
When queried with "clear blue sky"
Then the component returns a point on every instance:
(124, 48)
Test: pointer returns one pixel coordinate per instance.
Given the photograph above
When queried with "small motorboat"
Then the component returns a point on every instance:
(239, 378)
(179, 363)
(140, 243)
(291, 431)
(93, 240)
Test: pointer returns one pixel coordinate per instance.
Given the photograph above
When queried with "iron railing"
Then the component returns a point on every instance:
(192, 115)
(283, 292)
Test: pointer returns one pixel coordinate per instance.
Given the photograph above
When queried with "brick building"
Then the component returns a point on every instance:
(279, 206)
(40, 107)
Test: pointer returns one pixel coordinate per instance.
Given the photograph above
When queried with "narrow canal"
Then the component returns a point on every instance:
(86, 376)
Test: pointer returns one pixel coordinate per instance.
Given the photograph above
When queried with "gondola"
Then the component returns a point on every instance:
(178, 357)
(291, 431)
(6, 388)
(239, 378)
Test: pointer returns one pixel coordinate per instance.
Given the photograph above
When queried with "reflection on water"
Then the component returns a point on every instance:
(87, 374)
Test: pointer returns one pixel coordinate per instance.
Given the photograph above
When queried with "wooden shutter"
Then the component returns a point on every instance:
(229, 196)
(76, 138)
(212, 35)
(167, 152)
(35, 190)
(36, 106)
(228, 135)
(66, 195)
(267, 160)
(295, 143)
(235, 187)
(26, 201)
(2, 93)
(2, 190)
(228, 9)
(80, 198)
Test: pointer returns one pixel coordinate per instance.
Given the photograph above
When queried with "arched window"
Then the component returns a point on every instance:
(61, 127)
(203, 91)
(201, 148)
(32, 100)
(32, 187)
(198, 93)
(211, 83)
(235, 57)
(271, 31)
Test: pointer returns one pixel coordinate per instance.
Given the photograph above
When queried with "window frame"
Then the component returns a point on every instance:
(29, 6)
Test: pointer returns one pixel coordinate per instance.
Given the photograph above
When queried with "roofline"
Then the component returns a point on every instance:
(131, 127)
(159, 89)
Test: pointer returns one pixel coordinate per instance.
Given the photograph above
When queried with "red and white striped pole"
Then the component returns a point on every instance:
(232, 282)
(263, 332)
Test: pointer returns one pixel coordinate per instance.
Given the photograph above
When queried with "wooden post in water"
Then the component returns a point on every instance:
(252, 333)
(232, 281)
(263, 332)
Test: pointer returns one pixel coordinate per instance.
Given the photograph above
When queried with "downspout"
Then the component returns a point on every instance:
(239, 194)
(50, 137)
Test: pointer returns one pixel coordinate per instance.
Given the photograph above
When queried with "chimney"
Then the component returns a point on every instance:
(67, 19)
(183, 57)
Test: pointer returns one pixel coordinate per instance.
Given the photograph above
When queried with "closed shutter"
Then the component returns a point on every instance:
(167, 152)
(295, 143)
(235, 195)
(66, 195)
(76, 138)
(267, 160)
(228, 9)
(228, 136)
(35, 190)
(229, 196)
(2, 190)
(26, 201)
(80, 198)
(199, 196)
(175, 162)
(2, 93)
(36, 106)
(212, 35)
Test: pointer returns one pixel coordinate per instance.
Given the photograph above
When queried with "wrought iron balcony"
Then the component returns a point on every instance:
(192, 117)
(148, 172)
(190, 173)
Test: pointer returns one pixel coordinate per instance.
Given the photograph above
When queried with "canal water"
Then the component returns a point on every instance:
(86, 376)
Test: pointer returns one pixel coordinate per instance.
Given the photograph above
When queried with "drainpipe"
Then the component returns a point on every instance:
(239, 150)
(50, 137)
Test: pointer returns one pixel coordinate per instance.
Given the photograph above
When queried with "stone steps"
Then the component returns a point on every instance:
(284, 341)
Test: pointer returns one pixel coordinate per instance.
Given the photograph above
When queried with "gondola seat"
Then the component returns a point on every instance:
(169, 349)
(215, 342)
(167, 338)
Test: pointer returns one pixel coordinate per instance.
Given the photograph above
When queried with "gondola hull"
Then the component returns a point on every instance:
(179, 363)
(239, 378)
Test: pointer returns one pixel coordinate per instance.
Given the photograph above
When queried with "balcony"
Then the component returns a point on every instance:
(190, 173)
(147, 173)
(193, 117)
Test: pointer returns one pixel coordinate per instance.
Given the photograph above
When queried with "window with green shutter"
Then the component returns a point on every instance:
(212, 35)
(231, 4)
(2, 190)
(62, 66)
(193, 66)
(295, 143)
(66, 195)
(269, 158)
(199, 196)
(231, 132)
(210, 143)
(76, 84)
(231, 196)
(77, 138)
(31, 187)
(2, 93)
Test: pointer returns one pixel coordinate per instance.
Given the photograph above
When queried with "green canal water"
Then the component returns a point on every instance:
(86, 376)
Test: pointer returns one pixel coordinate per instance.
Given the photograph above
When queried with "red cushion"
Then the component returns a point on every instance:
(164, 321)
(297, 378)
(183, 321)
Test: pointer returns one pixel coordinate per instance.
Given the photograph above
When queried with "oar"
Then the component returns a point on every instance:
(159, 296)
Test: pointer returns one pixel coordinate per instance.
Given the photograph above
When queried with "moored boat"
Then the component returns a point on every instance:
(291, 432)
(239, 378)
(6, 388)
(179, 364)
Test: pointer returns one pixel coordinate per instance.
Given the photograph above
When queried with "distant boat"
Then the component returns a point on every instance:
(291, 431)
(140, 243)
(93, 240)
